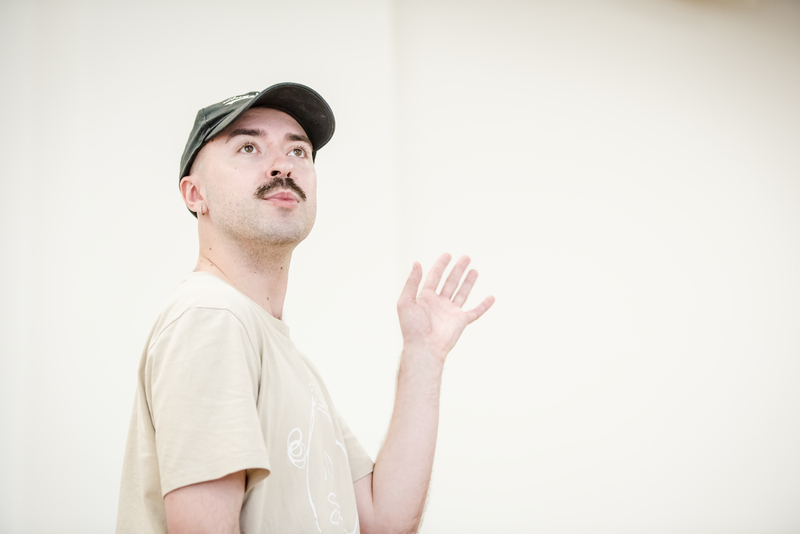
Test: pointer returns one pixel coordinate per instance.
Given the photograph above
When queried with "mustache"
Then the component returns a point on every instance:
(280, 183)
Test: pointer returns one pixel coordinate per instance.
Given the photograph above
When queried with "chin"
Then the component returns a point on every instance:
(285, 235)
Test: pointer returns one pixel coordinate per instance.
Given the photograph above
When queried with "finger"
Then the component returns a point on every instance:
(409, 291)
(480, 309)
(435, 274)
(466, 287)
(451, 283)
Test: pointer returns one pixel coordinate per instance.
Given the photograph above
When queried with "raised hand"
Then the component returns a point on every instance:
(431, 321)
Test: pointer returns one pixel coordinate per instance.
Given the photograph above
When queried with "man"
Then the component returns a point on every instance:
(232, 428)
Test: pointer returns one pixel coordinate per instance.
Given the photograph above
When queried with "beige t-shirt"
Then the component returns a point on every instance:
(222, 389)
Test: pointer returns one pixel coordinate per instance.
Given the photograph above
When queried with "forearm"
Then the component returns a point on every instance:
(403, 468)
(392, 499)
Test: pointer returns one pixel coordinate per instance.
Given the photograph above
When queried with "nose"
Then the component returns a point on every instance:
(281, 166)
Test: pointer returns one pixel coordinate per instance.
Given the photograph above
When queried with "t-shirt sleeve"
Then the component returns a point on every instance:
(202, 388)
(360, 462)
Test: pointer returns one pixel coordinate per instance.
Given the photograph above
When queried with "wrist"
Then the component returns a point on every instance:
(421, 359)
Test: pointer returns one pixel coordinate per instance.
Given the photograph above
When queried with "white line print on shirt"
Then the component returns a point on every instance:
(299, 456)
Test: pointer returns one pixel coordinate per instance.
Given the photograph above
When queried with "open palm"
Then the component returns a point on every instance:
(432, 321)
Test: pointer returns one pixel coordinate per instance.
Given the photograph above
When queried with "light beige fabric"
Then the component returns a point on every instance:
(222, 389)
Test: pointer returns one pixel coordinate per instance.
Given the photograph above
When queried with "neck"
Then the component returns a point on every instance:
(262, 276)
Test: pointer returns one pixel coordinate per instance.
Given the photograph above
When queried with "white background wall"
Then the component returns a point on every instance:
(625, 175)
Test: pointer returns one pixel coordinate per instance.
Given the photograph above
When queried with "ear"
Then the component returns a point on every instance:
(191, 193)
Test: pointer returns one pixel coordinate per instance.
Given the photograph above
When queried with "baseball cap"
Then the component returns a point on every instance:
(302, 103)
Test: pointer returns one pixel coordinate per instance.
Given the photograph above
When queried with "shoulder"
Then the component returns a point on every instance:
(202, 299)
(204, 290)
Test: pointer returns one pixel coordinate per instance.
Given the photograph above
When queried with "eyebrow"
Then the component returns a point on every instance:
(246, 131)
(261, 133)
(296, 137)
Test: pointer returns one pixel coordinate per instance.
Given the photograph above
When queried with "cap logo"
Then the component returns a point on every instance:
(233, 99)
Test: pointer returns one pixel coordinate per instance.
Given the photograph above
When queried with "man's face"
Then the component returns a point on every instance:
(259, 181)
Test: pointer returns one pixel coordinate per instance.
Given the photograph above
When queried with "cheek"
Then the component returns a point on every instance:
(312, 183)
(222, 196)
(232, 183)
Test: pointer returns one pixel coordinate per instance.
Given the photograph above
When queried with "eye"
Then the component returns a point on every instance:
(248, 149)
(298, 152)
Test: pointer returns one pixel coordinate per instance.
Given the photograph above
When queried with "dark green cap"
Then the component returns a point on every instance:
(302, 103)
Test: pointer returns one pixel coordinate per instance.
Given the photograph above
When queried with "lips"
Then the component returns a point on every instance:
(283, 196)
(283, 199)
